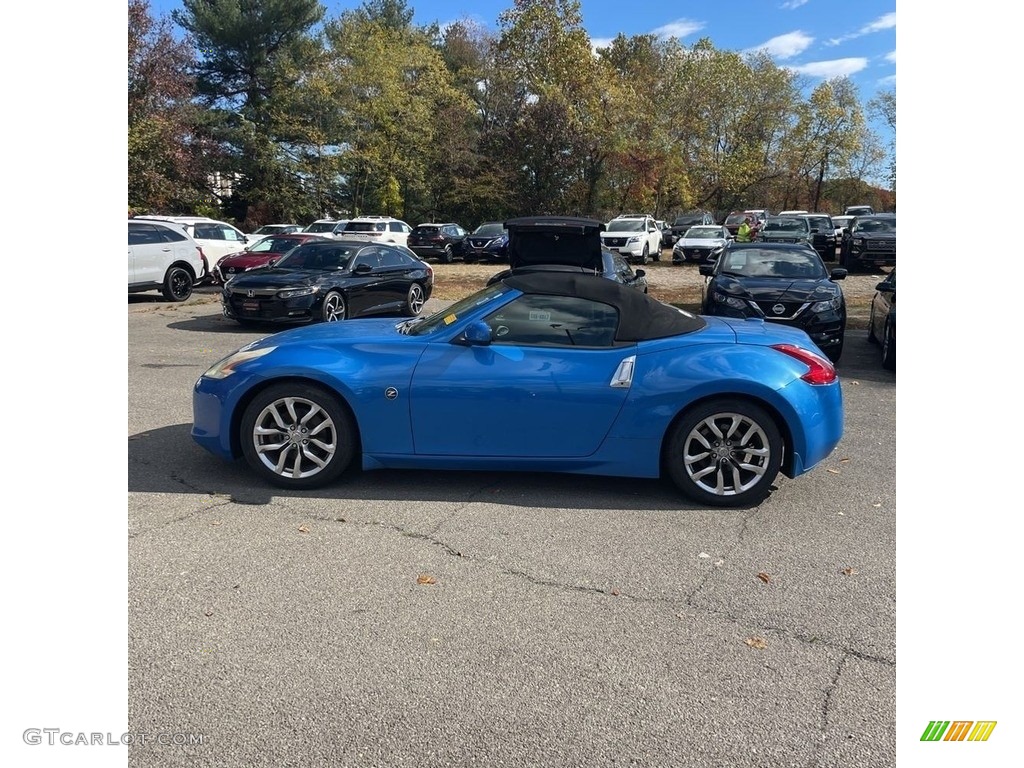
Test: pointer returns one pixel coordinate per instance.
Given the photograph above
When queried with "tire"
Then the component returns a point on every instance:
(334, 308)
(414, 301)
(644, 256)
(178, 284)
(447, 257)
(835, 353)
(657, 253)
(889, 347)
(279, 451)
(704, 445)
(871, 325)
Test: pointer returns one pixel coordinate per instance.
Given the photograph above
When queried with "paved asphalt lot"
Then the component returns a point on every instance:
(570, 620)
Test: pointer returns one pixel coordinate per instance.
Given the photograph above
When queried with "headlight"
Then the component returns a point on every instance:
(291, 293)
(633, 239)
(858, 241)
(227, 366)
(729, 301)
(826, 306)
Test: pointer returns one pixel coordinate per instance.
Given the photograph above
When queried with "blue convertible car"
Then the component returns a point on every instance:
(552, 368)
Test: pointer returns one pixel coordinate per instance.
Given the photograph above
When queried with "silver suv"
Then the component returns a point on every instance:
(163, 256)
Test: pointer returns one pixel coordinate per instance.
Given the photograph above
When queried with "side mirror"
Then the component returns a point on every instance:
(478, 334)
(640, 273)
(883, 286)
(706, 269)
(272, 262)
(839, 273)
(362, 269)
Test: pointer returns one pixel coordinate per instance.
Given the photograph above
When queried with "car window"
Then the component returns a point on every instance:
(392, 258)
(789, 264)
(429, 229)
(142, 234)
(370, 256)
(454, 312)
(562, 321)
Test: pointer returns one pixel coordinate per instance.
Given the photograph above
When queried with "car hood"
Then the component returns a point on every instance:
(558, 240)
(346, 332)
(247, 260)
(777, 289)
(702, 242)
(282, 278)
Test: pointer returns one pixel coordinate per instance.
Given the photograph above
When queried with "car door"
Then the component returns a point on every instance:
(148, 254)
(367, 287)
(543, 388)
(653, 238)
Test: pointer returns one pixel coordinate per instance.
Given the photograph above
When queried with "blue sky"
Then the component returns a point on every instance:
(820, 39)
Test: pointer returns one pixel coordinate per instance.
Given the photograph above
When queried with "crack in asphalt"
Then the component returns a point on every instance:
(826, 705)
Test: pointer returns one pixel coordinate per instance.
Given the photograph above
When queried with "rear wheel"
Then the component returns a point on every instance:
(889, 347)
(447, 256)
(414, 300)
(871, 326)
(178, 284)
(297, 436)
(725, 453)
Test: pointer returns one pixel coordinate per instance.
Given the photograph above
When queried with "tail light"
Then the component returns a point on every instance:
(820, 370)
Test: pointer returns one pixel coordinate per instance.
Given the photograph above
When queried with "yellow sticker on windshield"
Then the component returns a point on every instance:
(449, 319)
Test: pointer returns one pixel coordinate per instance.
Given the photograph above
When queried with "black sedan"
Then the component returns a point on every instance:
(780, 283)
(329, 281)
(882, 324)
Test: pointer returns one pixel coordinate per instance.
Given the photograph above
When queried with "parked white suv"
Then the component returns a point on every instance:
(216, 238)
(636, 236)
(378, 229)
(163, 256)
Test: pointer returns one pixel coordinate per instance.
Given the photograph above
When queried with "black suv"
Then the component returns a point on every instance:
(869, 241)
(442, 241)
(823, 235)
(684, 221)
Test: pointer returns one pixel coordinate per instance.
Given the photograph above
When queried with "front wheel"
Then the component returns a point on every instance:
(646, 254)
(333, 308)
(297, 436)
(177, 284)
(414, 300)
(725, 453)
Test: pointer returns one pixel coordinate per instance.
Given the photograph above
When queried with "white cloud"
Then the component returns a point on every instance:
(888, 21)
(830, 69)
(789, 5)
(784, 46)
(891, 56)
(679, 28)
(890, 80)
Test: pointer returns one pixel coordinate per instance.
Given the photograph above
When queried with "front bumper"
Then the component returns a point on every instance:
(262, 309)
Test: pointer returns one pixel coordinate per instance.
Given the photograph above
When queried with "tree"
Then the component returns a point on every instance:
(253, 52)
(164, 149)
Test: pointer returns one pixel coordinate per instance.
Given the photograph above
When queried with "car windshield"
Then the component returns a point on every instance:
(703, 233)
(318, 256)
(764, 262)
(626, 225)
(736, 218)
(786, 225)
(272, 245)
(490, 230)
(875, 225)
(365, 226)
(425, 326)
(322, 226)
(824, 222)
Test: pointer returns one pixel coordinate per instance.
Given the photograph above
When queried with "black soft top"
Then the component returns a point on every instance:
(640, 317)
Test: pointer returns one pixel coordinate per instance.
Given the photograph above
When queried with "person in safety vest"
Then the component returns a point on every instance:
(745, 232)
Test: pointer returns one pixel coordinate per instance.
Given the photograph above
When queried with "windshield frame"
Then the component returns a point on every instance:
(451, 314)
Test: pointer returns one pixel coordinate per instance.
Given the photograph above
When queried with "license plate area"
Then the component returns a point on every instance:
(251, 305)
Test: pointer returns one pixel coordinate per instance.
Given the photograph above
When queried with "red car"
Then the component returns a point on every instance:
(258, 254)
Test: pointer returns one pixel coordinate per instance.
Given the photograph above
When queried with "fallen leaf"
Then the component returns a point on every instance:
(615, 592)
(426, 578)
(876, 506)
(215, 522)
(340, 520)
(833, 471)
(719, 563)
(764, 577)
(303, 529)
(756, 642)
(849, 571)
(855, 383)
(843, 460)
(209, 612)
(704, 555)
(841, 514)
